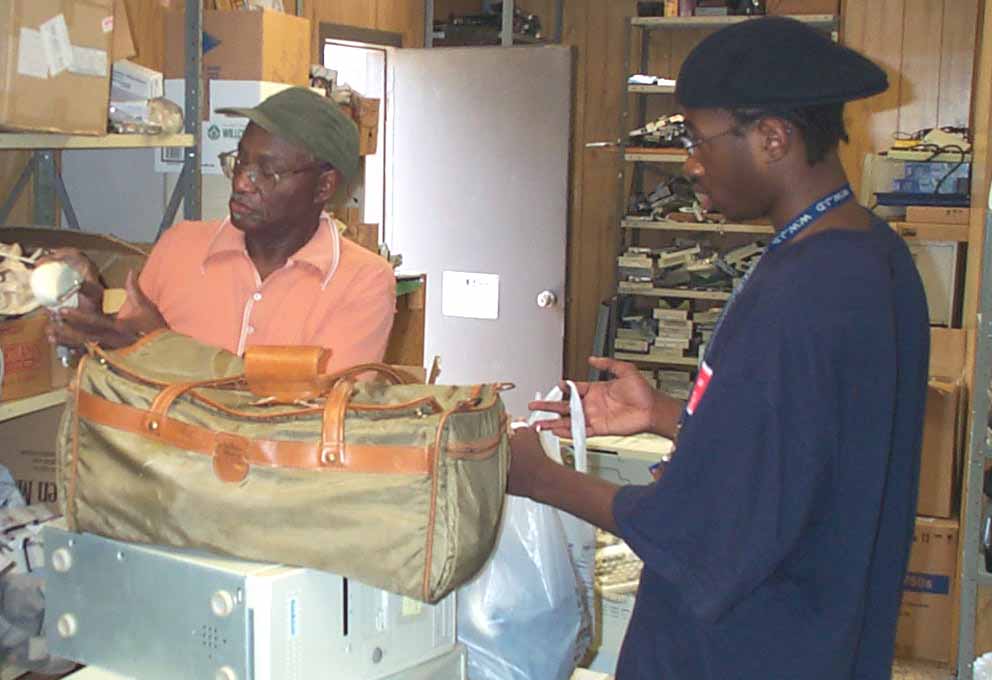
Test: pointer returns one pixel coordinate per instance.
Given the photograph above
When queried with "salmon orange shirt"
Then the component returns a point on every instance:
(330, 293)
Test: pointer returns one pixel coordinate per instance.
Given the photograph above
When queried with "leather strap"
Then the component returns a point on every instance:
(287, 373)
(233, 454)
(332, 432)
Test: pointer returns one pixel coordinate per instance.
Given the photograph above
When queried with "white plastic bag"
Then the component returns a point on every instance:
(528, 614)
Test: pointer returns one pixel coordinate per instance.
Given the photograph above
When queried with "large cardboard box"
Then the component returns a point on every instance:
(929, 590)
(257, 45)
(55, 68)
(27, 449)
(943, 425)
(30, 366)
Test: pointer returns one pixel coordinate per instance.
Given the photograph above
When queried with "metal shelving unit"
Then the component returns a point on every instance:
(972, 568)
(821, 21)
(507, 38)
(630, 227)
(719, 228)
(49, 189)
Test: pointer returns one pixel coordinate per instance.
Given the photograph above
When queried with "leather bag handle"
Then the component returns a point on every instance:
(332, 449)
(289, 374)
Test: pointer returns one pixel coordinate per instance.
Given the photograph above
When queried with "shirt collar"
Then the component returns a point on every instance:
(322, 252)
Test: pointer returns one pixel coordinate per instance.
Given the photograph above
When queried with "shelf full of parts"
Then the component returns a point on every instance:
(676, 262)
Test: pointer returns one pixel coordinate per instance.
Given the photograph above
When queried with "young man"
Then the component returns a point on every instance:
(276, 271)
(775, 542)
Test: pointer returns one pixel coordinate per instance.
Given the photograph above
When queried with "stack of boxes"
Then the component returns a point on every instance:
(930, 591)
(247, 57)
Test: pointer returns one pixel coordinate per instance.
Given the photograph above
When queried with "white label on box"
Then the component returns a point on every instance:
(88, 61)
(107, 24)
(31, 60)
(470, 295)
(55, 41)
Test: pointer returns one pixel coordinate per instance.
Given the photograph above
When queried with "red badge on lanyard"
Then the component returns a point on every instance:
(699, 389)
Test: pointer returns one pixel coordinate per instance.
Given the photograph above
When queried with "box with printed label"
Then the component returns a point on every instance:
(221, 133)
(28, 452)
(25, 357)
(134, 82)
(56, 65)
(929, 590)
(257, 45)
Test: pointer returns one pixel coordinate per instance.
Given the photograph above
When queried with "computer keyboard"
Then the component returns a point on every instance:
(618, 570)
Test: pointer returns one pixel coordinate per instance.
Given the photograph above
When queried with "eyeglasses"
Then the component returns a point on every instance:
(690, 144)
(260, 177)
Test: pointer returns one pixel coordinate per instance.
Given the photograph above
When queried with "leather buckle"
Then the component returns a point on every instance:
(230, 457)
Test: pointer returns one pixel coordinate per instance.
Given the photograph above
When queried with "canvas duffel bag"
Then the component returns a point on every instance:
(172, 442)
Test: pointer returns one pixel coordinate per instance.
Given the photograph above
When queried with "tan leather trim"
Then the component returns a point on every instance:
(432, 512)
(70, 502)
(481, 449)
(289, 454)
(286, 373)
(332, 431)
(237, 381)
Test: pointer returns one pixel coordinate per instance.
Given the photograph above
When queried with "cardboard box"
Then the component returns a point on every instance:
(27, 358)
(30, 364)
(56, 65)
(943, 444)
(933, 214)
(948, 347)
(134, 82)
(944, 423)
(257, 45)
(123, 44)
(929, 590)
(221, 133)
(781, 7)
(28, 451)
(365, 113)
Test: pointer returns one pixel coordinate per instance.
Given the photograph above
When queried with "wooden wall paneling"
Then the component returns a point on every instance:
(957, 61)
(981, 175)
(920, 71)
(405, 17)
(593, 235)
(874, 28)
(575, 30)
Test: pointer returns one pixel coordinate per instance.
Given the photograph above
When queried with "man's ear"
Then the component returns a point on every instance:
(327, 184)
(777, 138)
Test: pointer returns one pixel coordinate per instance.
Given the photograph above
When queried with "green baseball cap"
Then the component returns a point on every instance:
(310, 121)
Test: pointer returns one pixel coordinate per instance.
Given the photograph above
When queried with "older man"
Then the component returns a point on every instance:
(775, 542)
(276, 271)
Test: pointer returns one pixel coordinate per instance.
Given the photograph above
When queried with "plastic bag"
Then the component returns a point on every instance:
(528, 614)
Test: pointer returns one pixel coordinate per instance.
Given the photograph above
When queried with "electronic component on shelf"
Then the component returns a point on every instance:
(618, 570)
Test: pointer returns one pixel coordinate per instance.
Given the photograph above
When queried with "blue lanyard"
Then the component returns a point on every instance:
(799, 224)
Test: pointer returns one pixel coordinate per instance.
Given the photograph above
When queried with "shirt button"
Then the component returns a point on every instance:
(256, 297)
(251, 329)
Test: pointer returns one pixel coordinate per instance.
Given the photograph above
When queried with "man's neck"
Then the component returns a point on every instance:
(804, 185)
(270, 253)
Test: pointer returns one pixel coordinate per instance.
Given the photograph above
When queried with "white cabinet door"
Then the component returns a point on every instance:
(477, 166)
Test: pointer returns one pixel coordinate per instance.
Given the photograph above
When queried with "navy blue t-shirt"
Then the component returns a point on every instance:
(775, 543)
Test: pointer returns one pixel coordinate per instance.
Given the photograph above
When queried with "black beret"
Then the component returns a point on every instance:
(774, 63)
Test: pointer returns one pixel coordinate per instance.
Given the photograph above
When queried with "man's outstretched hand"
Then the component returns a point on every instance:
(624, 405)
